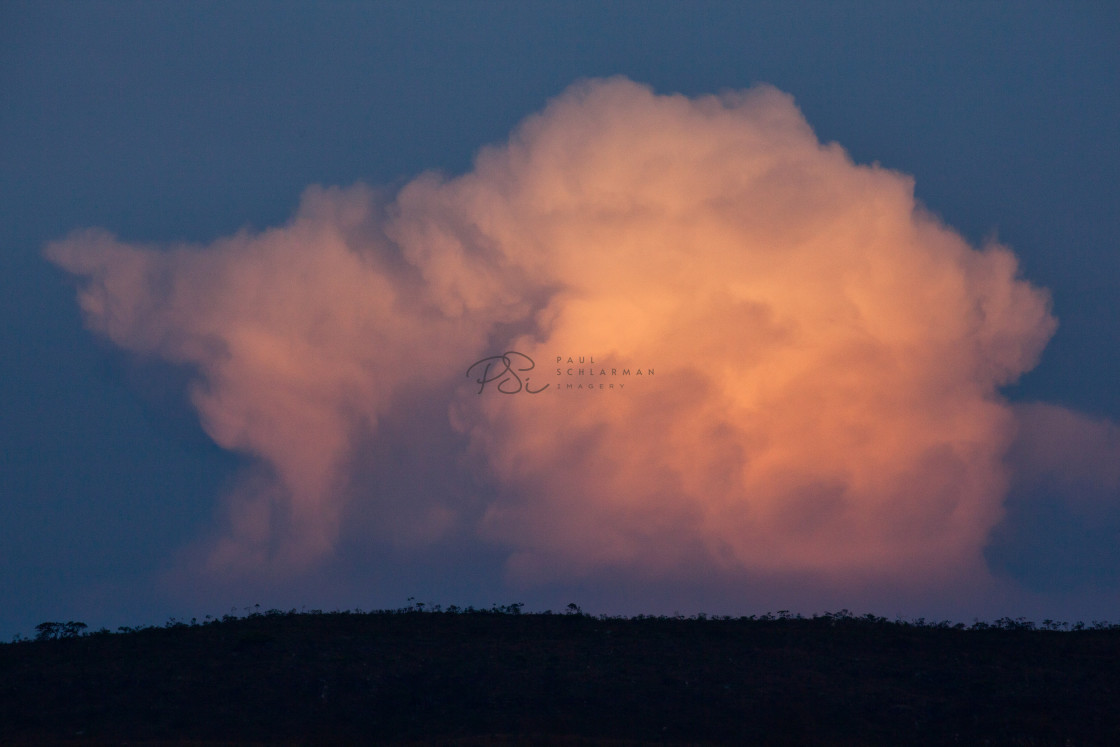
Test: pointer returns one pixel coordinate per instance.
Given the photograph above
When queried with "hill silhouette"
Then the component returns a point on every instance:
(417, 676)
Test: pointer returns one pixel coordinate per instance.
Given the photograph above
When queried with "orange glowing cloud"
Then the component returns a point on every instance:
(301, 337)
(826, 355)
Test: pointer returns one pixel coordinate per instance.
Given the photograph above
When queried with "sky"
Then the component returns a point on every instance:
(649, 307)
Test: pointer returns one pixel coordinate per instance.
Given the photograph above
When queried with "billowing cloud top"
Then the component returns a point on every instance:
(826, 356)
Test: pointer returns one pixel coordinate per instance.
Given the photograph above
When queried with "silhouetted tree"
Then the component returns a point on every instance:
(49, 631)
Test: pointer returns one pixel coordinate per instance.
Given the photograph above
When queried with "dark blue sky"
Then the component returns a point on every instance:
(172, 121)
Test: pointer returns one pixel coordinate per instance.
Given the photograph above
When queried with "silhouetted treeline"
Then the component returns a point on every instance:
(423, 674)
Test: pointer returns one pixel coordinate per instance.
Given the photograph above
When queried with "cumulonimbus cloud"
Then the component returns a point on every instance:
(826, 356)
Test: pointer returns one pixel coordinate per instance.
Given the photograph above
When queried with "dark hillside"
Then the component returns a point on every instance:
(475, 677)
